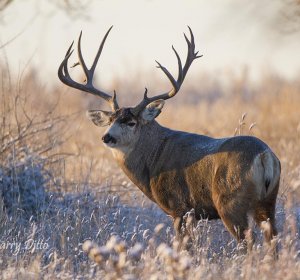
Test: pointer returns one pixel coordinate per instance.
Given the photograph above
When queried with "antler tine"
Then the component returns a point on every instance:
(191, 55)
(81, 60)
(63, 68)
(169, 75)
(99, 51)
(176, 84)
(180, 75)
(64, 75)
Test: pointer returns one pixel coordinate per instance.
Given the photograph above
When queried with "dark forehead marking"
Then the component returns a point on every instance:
(124, 115)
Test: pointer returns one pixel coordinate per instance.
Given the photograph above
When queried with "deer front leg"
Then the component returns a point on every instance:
(184, 231)
(180, 231)
(178, 223)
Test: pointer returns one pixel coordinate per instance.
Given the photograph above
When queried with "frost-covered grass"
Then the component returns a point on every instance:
(60, 189)
(132, 242)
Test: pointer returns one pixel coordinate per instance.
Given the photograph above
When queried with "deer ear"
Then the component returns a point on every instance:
(99, 118)
(152, 110)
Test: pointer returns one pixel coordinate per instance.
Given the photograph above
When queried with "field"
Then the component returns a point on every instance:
(60, 187)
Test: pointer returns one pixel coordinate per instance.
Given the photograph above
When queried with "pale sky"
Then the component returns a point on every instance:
(230, 34)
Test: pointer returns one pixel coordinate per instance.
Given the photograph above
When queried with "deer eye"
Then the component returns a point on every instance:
(131, 124)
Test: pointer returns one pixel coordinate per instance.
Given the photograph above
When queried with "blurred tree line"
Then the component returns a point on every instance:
(69, 6)
(286, 18)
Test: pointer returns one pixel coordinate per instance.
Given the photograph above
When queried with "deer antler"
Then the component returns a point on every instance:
(176, 84)
(64, 75)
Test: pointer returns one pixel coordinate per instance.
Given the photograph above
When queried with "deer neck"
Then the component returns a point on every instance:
(140, 162)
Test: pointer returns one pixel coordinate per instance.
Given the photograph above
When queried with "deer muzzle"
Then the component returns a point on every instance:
(107, 139)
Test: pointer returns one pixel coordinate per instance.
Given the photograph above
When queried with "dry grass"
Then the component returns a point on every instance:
(60, 187)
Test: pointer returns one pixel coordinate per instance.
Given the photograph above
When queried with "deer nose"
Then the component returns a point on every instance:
(108, 138)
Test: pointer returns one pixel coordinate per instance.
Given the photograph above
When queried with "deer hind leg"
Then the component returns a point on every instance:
(264, 216)
(265, 213)
(236, 221)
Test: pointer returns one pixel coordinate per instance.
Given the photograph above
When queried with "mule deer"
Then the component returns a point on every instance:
(226, 178)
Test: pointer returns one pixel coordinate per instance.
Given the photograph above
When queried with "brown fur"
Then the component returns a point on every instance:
(218, 178)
